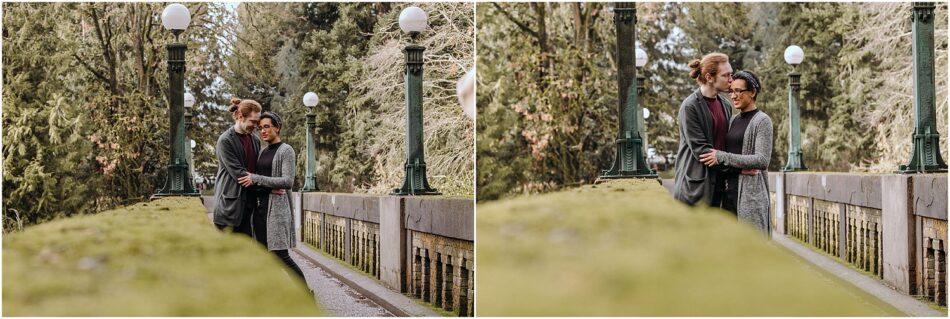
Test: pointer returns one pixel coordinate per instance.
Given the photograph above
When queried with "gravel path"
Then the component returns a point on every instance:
(336, 297)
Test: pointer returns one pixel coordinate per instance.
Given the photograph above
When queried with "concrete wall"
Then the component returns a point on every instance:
(908, 204)
(378, 234)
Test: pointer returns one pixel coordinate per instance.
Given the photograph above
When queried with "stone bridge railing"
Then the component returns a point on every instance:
(892, 226)
(420, 246)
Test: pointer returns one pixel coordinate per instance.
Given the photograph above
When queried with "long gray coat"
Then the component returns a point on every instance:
(753, 203)
(229, 196)
(280, 223)
(694, 181)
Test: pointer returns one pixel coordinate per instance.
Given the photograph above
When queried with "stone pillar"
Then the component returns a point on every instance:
(392, 243)
(780, 205)
(297, 201)
(897, 217)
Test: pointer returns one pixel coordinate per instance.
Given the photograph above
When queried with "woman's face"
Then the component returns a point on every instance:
(269, 132)
(740, 94)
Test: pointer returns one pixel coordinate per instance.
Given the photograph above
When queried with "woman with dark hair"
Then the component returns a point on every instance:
(272, 222)
(745, 157)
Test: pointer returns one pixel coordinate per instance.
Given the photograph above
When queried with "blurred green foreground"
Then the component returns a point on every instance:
(628, 248)
(161, 258)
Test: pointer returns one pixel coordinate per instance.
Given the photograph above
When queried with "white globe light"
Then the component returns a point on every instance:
(176, 17)
(794, 55)
(189, 100)
(646, 113)
(311, 99)
(465, 89)
(641, 58)
(413, 19)
(193, 144)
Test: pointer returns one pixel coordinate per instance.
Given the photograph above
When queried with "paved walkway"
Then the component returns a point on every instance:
(902, 302)
(338, 299)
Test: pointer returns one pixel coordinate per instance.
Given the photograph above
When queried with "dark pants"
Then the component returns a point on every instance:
(284, 256)
(719, 187)
(726, 194)
(730, 196)
(245, 226)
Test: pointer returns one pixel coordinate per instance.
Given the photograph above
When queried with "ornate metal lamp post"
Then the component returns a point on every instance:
(310, 100)
(413, 20)
(629, 161)
(178, 182)
(794, 56)
(926, 156)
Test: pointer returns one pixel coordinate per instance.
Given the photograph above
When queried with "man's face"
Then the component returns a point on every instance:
(724, 78)
(251, 121)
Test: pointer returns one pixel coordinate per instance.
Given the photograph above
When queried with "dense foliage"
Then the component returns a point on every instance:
(548, 106)
(84, 108)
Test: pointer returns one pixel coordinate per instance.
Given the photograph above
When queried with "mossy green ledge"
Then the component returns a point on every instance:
(627, 248)
(160, 258)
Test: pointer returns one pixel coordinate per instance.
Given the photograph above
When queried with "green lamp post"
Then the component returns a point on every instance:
(926, 157)
(629, 161)
(794, 55)
(310, 183)
(178, 182)
(413, 20)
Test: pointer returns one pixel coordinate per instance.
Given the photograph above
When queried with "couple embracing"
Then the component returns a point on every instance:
(252, 192)
(723, 158)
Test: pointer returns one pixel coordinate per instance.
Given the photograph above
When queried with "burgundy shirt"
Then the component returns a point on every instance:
(250, 157)
(720, 126)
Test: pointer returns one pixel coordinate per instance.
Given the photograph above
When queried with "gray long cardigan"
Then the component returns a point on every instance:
(753, 203)
(280, 223)
(229, 196)
(694, 181)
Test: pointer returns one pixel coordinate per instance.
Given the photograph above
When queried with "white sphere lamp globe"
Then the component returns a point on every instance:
(176, 17)
(641, 58)
(189, 100)
(794, 55)
(311, 99)
(413, 19)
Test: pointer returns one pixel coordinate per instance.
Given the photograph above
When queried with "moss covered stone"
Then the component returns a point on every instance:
(627, 248)
(161, 258)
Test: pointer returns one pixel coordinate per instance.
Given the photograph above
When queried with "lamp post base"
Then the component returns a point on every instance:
(177, 183)
(309, 185)
(926, 157)
(794, 162)
(629, 162)
(416, 182)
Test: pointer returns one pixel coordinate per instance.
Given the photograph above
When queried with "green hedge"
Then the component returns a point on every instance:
(628, 248)
(161, 258)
